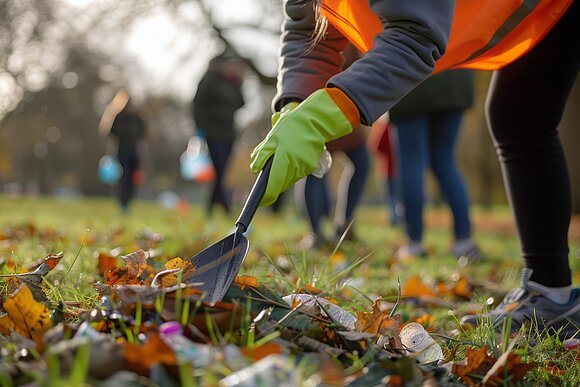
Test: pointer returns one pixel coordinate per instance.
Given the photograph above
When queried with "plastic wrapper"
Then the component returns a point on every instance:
(420, 344)
(312, 304)
(273, 370)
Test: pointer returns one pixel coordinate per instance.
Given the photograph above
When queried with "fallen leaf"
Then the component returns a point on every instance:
(32, 276)
(426, 320)
(377, 321)
(246, 280)
(173, 268)
(140, 358)
(507, 369)
(457, 285)
(414, 287)
(136, 262)
(25, 316)
(120, 275)
(262, 351)
(106, 262)
(476, 362)
(51, 260)
(309, 289)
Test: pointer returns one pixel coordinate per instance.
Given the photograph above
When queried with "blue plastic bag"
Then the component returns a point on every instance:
(195, 163)
(109, 170)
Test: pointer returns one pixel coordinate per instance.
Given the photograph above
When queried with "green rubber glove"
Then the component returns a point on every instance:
(297, 139)
(285, 109)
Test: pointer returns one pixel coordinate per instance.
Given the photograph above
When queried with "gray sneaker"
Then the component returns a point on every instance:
(530, 306)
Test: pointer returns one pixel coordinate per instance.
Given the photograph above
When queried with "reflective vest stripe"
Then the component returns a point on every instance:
(486, 34)
(512, 22)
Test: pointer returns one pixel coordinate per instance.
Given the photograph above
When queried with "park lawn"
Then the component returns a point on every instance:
(355, 274)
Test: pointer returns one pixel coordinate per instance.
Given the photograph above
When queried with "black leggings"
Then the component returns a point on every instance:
(524, 107)
(220, 152)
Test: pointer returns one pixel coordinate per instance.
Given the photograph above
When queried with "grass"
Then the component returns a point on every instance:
(357, 273)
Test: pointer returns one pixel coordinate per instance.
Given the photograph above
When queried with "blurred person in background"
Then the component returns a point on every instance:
(348, 192)
(427, 121)
(128, 131)
(218, 97)
(350, 187)
(382, 144)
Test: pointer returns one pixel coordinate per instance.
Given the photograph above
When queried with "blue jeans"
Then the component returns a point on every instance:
(430, 140)
(350, 191)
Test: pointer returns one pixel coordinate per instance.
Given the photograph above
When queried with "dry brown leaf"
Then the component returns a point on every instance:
(136, 262)
(508, 365)
(32, 276)
(119, 276)
(140, 358)
(377, 321)
(25, 316)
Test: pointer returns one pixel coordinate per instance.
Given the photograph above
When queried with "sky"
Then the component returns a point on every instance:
(158, 45)
(158, 52)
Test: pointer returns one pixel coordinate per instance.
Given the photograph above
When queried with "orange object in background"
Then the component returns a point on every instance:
(206, 175)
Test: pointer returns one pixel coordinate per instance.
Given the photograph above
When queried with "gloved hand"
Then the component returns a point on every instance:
(285, 109)
(297, 139)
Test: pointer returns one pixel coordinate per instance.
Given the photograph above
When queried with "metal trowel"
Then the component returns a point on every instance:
(218, 265)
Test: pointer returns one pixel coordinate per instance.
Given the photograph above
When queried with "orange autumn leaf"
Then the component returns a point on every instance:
(25, 315)
(262, 351)
(414, 287)
(309, 289)
(53, 260)
(140, 358)
(425, 320)
(6, 325)
(377, 321)
(175, 263)
(394, 381)
(331, 300)
(338, 258)
(49, 263)
(106, 262)
(185, 268)
(476, 361)
(246, 280)
(457, 286)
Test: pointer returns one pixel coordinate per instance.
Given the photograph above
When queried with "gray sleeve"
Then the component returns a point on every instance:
(304, 67)
(414, 37)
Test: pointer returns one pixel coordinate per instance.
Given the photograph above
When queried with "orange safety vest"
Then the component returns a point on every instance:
(485, 35)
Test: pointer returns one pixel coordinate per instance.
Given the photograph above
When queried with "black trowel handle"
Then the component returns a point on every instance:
(255, 197)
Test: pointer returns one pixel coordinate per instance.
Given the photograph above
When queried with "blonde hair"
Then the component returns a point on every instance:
(320, 26)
